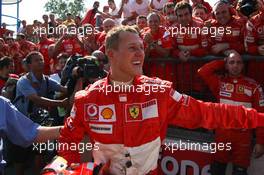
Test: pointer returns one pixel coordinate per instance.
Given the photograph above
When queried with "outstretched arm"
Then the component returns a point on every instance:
(188, 112)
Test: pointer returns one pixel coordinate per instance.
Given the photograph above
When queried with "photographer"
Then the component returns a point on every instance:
(79, 72)
(32, 97)
(102, 59)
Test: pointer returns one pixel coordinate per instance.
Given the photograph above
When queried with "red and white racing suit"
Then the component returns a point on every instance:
(164, 70)
(234, 91)
(135, 122)
(197, 44)
(254, 37)
(231, 33)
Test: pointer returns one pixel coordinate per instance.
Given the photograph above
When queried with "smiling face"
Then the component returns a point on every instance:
(127, 59)
(153, 22)
(222, 13)
(200, 13)
(142, 23)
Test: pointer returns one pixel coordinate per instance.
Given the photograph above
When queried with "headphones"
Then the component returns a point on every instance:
(231, 9)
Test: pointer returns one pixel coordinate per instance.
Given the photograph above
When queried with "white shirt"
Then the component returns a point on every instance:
(141, 9)
(159, 5)
(55, 77)
(114, 13)
(127, 9)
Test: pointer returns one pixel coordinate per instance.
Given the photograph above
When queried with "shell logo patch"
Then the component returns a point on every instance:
(107, 113)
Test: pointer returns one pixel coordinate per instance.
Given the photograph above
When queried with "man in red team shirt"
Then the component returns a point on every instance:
(200, 11)
(89, 18)
(204, 3)
(13, 47)
(235, 89)
(4, 48)
(108, 24)
(254, 43)
(158, 44)
(89, 39)
(25, 47)
(6, 70)
(141, 22)
(43, 45)
(186, 43)
(128, 127)
(233, 35)
(169, 15)
(68, 43)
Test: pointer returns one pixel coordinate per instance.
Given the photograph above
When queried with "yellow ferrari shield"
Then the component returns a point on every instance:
(134, 111)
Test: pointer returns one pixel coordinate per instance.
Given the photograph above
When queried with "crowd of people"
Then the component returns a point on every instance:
(176, 36)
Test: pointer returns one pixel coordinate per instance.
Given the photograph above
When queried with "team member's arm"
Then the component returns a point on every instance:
(251, 39)
(258, 104)
(208, 74)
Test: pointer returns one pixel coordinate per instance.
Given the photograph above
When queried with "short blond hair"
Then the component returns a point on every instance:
(112, 37)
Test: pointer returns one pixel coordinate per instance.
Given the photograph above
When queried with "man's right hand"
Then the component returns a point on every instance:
(64, 103)
(184, 55)
(261, 49)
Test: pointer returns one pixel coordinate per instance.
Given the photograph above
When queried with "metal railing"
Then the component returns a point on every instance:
(184, 74)
(191, 83)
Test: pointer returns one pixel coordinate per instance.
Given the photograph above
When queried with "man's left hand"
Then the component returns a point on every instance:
(217, 48)
(258, 150)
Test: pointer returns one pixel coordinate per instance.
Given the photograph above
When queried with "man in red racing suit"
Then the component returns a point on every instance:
(126, 114)
(234, 89)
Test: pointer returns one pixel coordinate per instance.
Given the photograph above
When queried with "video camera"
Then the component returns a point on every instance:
(87, 68)
(42, 117)
(247, 7)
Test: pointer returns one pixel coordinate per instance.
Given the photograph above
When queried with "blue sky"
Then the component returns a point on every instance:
(34, 9)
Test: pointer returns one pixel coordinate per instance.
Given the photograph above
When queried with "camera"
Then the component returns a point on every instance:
(87, 68)
(42, 117)
(247, 7)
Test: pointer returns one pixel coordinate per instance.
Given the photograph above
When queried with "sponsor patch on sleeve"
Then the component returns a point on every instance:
(175, 95)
